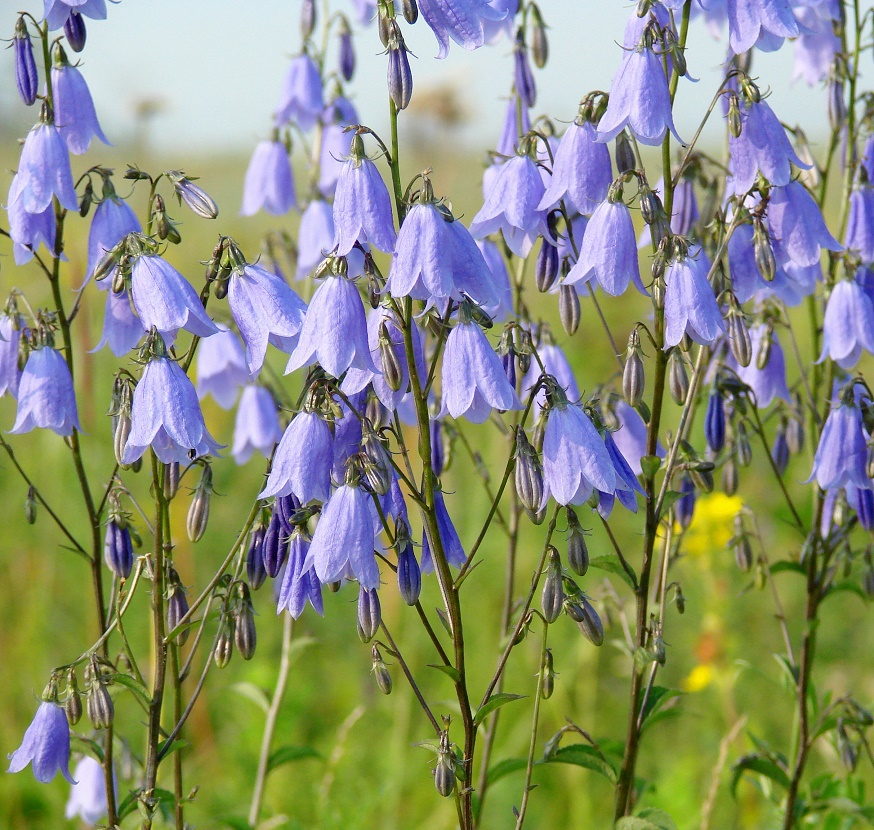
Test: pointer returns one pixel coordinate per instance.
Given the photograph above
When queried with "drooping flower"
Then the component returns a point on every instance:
(452, 547)
(860, 223)
(848, 324)
(814, 49)
(769, 381)
(46, 744)
(75, 116)
(362, 206)
(122, 329)
(512, 206)
(57, 12)
(690, 306)
(684, 210)
(46, 397)
(461, 20)
(166, 415)
(796, 225)
(336, 143)
(163, 298)
(113, 220)
(257, 425)
(842, 452)
(10, 374)
(316, 236)
(517, 122)
(28, 230)
(345, 537)
(761, 23)
(500, 279)
(555, 364)
(473, 379)
(269, 182)
(221, 368)
(75, 31)
(265, 310)
(299, 586)
(118, 550)
(88, 795)
(44, 170)
(334, 331)
(302, 101)
(303, 461)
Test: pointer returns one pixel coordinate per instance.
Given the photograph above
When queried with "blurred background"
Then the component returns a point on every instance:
(192, 85)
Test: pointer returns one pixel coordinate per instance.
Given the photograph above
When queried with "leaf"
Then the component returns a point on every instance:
(236, 823)
(449, 671)
(289, 753)
(668, 502)
(761, 766)
(134, 685)
(254, 693)
(658, 700)
(87, 746)
(494, 702)
(613, 566)
(791, 567)
(505, 767)
(658, 817)
(128, 805)
(649, 465)
(635, 823)
(847, 586)
(174, 747)
(585, 756)
(444, 621)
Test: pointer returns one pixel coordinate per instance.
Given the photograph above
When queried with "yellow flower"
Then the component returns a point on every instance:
(699, 678)
(712, 524)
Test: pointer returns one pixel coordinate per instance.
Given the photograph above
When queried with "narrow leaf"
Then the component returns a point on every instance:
(134, 685)
(287, 754)
(254, 693)
(761, 766)
(449, 671)
(582, 755)
(505, 767)
(494, 702)
(613, 566)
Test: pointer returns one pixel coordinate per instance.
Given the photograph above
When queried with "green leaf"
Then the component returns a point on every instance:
(791, 567)
(658, 817)
(761, 766)
(582, 755)
(254, 693)
(847, 586)
(449, 671)
(494, 702)
(444, 621)
(657, 702)
(236, 823)
(636, 823)
(174, 747)
(505, 767)
(128, 805)
(642, 658)
(287, 754)
(134, 685)
(668, 502)
(87, 747)
(613, 566)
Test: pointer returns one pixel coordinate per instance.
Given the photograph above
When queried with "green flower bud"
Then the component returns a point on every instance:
(380, 671)
(552, 596)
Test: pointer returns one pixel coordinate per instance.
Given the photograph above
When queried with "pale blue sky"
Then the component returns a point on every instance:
(218, 65)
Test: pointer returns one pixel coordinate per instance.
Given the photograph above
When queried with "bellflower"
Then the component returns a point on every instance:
(163, 298)
(635, 24)
(746, 278)
(452, 547)
(639, 99)
(113, 220)
(28, 230)
(303, 460)
(265, 310)
(75, 116)
(334, 331)
(860, 223)
(461, 20)
(44, 171)
(336, 143)
(345, 537)
(26, 77)
(690, 306)
(842, 451)
(575, 458)
(56, 12)
(257, 425)
(769, 382)
(609, 250)
(166, 415)
(347, 433)
(299, 586)
(364, 11)
(556, 364)
(316, 236)
(472, 377)
(436, 258)
(46, 743)
(221, 368)
(627, 485)
(523, 79)
(630, 439)
(762, 23)
(517, 122)
(848, 324)
(796, 225)
(684, 211)
(512, 206)
(815, 48)
(301, 100)
(362, 205)
(581, 172)
(46, 397)
(122, 329)
(269, 183)
(500, 279)
(75, 32)
(88, 795)
(10, 374)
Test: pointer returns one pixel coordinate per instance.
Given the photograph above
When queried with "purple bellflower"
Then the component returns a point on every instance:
(452, 547)
(113, 220)
(75, 116)
(523, 79)
(221, 367)
(334, 331)
(365, 10)
(336, 143)
(257, 425)
(815, 48)
(842, 452)
(762, 23)
(630, 438)
(860, 223)
(26, 77)
(609, 250)
(265, 310)
(473, 378)
(10, 374)
(88, 795)
(746, 278)
(347, 433)
(768, 382)
(163, 298)
(166, 415)
(46, 744)
(122, 329)
(118, 549)
(639, 99)
(362, 205)
(690, 306)
(555, 363)
(303, 461)
(269, 182)
(517, 122)
(581, 173)
(46, 397)
(299, 586)
(627, 485)
(57, 12)
(797, 229)
(302, 101)
(848, 324)
(512, 206)
(345, 537)
(75, 31)
(28, 230)
(500, 279)
(316, 236)
(44, 170)
(461, 20)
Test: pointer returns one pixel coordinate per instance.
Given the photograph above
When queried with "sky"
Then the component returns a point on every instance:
(215, 69)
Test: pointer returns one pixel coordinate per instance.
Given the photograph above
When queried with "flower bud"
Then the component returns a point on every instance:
(171, 480)
(255, 558)
(714, 421)
(409, 575)
(99, 706)
(26, 77)
(523, 80)
(307, 18)
(625, 161)
(678, 377)
(73, 703)
(118, 551)
(569, 308)
(702, 475)
(780, 449)
(587, 620)
(764, 353)
(197, 199)
(380, 671)
(198, 512)
(369, 613)
(552, 596)
(633, 378)
(743, 550)
(347, 51)
(275, 548)
(684, 508)
(729, 476)
(735, 125)
(837, 109)
(410, 11)
(546, 267)
(391, 365)
(30, 506)
(539, 41)
(377, 464)
(245, 635)
(742, 450)
(547, 676)
(846, 748)
(528, 473)
(444, 773)
(224, 646)
(400, 76)
(795, 435)
(764, 251)
(739, 338)
(577, 550)
(177, 605)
